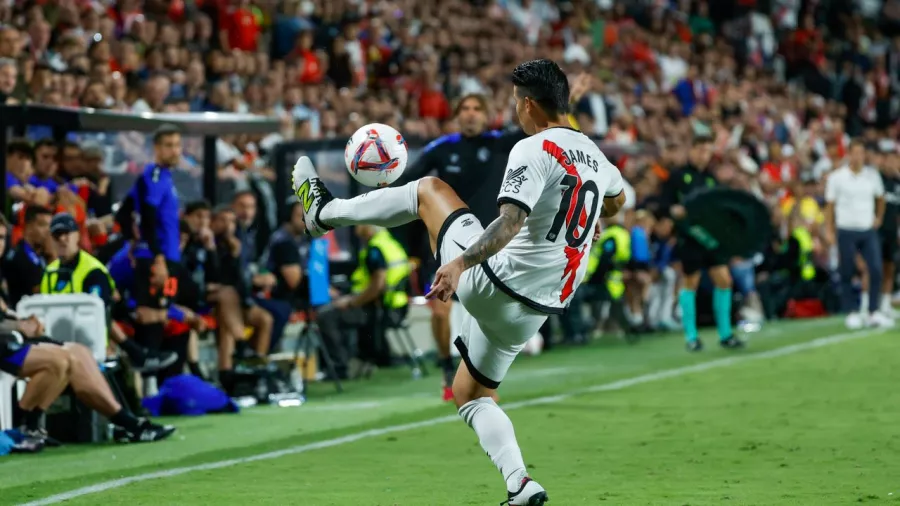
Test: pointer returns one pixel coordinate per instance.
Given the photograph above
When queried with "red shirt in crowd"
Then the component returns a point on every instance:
(433, 104)
(311, 71)
(241, 25)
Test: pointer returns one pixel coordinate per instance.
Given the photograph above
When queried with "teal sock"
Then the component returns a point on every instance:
(688, 301)
(722, 310)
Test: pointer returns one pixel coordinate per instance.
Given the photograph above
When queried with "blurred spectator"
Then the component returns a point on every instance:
(779, 89)
(8, 75)
(23, 266)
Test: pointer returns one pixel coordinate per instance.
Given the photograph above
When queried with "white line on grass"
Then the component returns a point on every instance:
(352, 438)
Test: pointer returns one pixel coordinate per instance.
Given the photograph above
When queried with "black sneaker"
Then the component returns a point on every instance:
(42, 436)
(154, 361)
(732, 343)
(694, 345)
(148, 433)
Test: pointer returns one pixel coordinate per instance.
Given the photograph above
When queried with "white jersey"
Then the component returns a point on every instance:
(560, 177)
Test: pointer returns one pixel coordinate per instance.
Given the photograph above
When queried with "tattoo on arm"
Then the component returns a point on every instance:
(496, 236)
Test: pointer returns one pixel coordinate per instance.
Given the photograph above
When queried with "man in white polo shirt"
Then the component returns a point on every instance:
(855, 209)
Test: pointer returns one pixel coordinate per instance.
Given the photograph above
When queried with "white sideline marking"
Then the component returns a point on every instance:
(352, 438)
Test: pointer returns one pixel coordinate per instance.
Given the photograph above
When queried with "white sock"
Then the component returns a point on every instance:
(385, 207)
(886, 306)
(864, 303)
(498, 438)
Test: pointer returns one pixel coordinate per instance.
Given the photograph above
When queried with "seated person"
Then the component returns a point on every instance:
(232, 274)
(282, 259)
(23, 266)
(50, 367)
(791, 272)
(378, 298)
(127, 312)
(76, 271)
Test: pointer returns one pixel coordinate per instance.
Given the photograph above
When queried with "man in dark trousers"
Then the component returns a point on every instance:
(854, 212)
(472, 162)
(890, 179)
(694, 257)
(154, 200)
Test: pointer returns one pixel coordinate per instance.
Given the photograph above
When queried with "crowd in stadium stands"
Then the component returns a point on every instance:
(779, 87)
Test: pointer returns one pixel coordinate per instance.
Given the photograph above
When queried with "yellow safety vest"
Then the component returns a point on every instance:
(805, 241)
(395, 296)
(622, 239)
(51, 282)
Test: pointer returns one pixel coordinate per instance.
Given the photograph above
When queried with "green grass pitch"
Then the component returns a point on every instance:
(807, 415)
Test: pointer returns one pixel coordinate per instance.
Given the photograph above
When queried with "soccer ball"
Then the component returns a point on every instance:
(376, 155)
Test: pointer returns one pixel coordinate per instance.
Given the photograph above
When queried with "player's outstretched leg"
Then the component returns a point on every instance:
(497, 437)
(432, 201)
(428, 199)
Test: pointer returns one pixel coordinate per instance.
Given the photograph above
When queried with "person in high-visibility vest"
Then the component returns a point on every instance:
(76, 271)
(609, 259)
(379, 287)
(793, 272)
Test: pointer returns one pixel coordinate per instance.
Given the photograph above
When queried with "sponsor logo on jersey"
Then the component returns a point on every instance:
(514, 180)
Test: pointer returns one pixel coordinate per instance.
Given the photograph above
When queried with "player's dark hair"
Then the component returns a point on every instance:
(72, 144)
(545, 83)
(197, 205)
(165, 131)
(32, 213)
(20, 147)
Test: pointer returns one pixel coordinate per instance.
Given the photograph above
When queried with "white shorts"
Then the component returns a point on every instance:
(495, 326)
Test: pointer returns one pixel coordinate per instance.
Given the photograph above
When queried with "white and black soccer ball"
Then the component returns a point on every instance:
(376, 155)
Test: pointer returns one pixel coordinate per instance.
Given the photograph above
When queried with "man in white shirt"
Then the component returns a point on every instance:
(854, 211)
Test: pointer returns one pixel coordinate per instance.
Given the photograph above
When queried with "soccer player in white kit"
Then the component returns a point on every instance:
(509, 276)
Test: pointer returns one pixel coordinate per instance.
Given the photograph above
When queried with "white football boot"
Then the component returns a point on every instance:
(312, 194)
(531, 493)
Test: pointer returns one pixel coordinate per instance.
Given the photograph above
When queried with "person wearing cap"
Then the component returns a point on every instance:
(76, 271)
